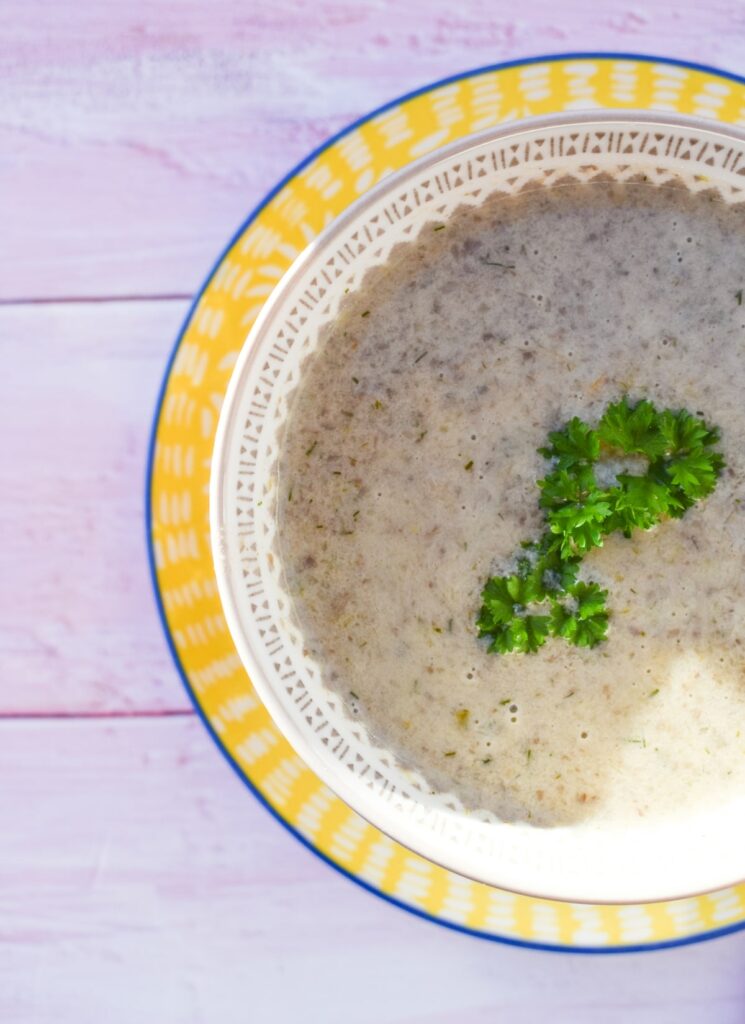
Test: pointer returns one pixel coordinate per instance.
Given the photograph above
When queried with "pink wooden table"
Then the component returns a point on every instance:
(139, 881)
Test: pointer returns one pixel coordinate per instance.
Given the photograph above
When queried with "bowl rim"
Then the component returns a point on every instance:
(355, 795)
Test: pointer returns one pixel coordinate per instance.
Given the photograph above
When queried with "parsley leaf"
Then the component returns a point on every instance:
(502, 615)
(632, 429)
(564, 486)
(587, 624)
(498, 606)
(683, 432)
(556, 572)
(639, 502)
(580, 524)
(576, 443)
(695, 474)
(683, 467)
(521, 635)
(503, 598)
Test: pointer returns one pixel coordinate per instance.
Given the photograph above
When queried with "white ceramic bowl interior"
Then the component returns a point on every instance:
(582, 862)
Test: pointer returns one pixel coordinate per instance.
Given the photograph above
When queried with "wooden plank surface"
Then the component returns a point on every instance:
(139, 881)
(169, 896)
(78, 629)
(135, 137)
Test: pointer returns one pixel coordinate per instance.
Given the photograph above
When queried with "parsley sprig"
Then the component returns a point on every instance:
(543, 596)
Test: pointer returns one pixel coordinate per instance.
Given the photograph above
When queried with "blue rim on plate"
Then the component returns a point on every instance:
(453, 926)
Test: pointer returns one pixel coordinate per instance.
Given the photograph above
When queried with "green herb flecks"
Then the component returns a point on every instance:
(462, 716)
(495, 263)
(543, 596)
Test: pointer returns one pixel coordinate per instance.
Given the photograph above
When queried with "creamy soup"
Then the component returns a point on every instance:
(408, 475)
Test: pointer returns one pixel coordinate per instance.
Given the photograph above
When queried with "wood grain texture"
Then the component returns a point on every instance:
(78, 628)
(139, 881)
(168, 895)
(136, 137)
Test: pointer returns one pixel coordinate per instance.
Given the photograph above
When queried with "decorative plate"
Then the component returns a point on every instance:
(214, 332)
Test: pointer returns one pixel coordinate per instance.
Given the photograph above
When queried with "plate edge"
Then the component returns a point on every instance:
(149, 467)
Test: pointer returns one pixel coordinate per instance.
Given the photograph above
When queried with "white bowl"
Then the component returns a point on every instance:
(652, 861)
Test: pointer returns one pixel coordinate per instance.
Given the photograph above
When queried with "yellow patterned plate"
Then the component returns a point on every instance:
(178, 531)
